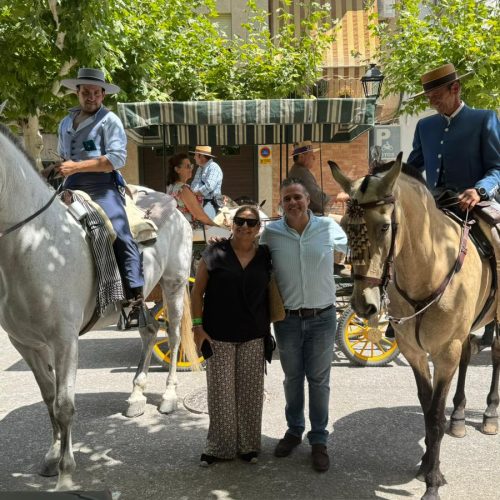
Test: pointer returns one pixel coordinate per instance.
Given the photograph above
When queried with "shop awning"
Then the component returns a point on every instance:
(231, 123)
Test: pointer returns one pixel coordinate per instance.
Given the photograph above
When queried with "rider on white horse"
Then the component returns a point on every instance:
(93, 143)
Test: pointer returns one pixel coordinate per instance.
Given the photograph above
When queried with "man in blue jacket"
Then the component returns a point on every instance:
(459, 147)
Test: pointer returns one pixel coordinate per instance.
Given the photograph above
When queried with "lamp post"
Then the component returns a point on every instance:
(372, 82)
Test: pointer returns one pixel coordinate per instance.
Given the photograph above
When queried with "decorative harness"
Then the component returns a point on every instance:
(356, 231)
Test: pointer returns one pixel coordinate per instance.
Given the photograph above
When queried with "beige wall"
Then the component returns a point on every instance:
(238, 15)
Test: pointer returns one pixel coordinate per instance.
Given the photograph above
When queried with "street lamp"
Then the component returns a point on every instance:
(372, 82)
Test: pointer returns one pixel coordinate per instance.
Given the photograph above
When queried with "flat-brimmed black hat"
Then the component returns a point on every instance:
(439, 77)
(90, 76)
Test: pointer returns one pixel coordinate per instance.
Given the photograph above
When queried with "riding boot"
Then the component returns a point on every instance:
(139, 315)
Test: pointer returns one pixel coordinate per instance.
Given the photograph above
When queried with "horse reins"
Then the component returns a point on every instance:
(31, 217)
(420, 306)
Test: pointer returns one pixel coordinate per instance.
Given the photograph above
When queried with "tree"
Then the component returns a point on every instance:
(44, 41)
(426, 34)
(155, 50)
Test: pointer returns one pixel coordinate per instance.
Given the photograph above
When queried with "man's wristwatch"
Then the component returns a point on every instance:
(483, 194)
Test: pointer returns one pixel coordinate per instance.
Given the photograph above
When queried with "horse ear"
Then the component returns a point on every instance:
(344, 181)
(392, 174)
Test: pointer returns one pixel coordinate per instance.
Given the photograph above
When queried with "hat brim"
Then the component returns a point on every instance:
(313, 150)
(72, 83)
(200, 153)
(439, 86)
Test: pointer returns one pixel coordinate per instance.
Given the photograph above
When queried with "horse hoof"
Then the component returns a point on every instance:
(49, 469)
(457, 428)
(168, 406)
(431, 494)
(490, 426)
(65, 483)
(135, 408)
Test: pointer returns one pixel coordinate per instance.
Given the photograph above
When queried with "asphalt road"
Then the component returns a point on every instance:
(375, 445)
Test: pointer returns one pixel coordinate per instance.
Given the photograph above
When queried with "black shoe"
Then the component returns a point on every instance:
(207, 460)
(320, 458)
(250, 457)
(286, 445)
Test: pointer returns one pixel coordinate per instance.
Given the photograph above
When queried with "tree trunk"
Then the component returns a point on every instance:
(33, 141)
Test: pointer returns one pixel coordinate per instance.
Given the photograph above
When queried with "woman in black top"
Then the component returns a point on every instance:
(231, 315)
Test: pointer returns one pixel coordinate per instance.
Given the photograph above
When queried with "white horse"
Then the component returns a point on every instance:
(48, 295)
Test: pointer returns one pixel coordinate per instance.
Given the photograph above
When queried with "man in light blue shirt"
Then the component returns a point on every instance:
(207, 180)
(93, 144)
(302, 246)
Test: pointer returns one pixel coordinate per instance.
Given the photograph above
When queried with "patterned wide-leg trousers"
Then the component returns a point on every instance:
(235, 384)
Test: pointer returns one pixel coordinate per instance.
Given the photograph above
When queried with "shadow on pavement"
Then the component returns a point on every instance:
(156, 456)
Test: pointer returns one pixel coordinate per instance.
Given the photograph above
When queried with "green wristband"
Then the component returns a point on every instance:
(197, 321)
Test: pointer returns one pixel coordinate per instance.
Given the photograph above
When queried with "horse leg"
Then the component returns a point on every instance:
(40, 364)
(137, 401)
(445, 365)
(457, 419)
(490, 416)
(174, 297)
(420, 367)
(65, 365)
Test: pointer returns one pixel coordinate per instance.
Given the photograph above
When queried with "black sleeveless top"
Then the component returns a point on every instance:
(236, 302)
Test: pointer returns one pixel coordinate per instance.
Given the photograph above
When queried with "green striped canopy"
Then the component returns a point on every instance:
(232, 123)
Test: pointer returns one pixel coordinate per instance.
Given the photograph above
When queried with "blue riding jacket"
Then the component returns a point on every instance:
(466, 147)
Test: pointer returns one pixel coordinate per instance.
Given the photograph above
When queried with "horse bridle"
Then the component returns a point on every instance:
(386, 277)
(420, 306)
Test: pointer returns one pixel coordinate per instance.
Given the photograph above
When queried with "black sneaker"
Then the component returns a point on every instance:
(207, 460)
(250, 457)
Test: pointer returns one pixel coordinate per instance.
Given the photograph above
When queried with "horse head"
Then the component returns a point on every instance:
(370, 227)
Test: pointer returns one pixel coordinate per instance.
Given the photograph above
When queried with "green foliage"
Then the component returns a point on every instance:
(155, 50)
(424, 36)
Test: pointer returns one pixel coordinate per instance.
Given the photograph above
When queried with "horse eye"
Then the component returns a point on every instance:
(385, 228)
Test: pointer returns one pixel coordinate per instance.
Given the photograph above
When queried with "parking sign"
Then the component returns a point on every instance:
(388, 137)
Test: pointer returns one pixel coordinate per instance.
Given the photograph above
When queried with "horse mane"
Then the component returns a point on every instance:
(19, 145)
(407, 169)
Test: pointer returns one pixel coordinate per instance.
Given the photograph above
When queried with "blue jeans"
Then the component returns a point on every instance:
(306, 350)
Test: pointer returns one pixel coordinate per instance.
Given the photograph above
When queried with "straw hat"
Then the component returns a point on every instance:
(203, 150)
(302, 147)
(90, 76)
(439, 77)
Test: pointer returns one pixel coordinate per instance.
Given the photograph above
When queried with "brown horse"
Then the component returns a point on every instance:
(405, 250)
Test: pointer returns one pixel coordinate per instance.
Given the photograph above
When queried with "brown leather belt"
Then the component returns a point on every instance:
(307, 313)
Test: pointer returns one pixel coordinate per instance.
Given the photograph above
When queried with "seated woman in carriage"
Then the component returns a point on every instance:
(179, 172)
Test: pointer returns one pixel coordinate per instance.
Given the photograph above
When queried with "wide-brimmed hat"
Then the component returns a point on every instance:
(439, 77)
(90, 76)
(303, 147)
(203, 150)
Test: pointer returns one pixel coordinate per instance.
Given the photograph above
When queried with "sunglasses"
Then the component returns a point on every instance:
(239, 221)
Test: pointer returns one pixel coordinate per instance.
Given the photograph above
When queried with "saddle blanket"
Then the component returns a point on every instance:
(109, 282)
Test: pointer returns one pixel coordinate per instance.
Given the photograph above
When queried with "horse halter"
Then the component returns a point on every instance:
(359, 243)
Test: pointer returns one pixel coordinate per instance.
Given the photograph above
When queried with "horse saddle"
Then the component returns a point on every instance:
(146, 210)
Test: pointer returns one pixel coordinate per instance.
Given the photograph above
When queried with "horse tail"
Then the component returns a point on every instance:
(187, 339)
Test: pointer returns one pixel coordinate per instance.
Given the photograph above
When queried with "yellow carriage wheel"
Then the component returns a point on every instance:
(365, 345)
(161, 349)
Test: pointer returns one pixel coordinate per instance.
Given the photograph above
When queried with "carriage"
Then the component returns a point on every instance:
(278, 122)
